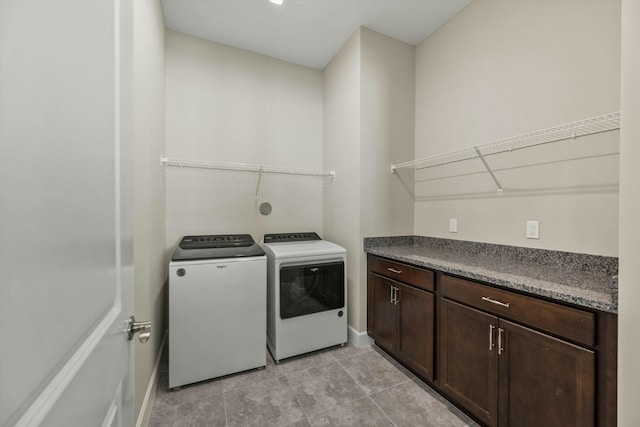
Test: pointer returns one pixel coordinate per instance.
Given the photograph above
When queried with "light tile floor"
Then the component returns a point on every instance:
(340, 386)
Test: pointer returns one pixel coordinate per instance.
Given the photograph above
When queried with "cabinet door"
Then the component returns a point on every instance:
(415, 329)
(544, 381)
(468, 359)
(381, 314)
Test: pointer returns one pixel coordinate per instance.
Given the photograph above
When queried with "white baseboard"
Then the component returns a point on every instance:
(359, 339)
(150, 396)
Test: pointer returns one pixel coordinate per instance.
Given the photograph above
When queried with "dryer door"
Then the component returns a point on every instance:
(311, 288)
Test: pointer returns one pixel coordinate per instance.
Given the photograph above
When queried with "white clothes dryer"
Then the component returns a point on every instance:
(306, 294)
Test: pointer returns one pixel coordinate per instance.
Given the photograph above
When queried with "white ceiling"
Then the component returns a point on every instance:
(305, 32)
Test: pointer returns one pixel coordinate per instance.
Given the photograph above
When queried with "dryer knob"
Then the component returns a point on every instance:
(181, 272)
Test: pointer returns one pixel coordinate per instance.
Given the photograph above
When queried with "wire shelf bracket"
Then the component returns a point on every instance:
(590, 126)
(484, 162)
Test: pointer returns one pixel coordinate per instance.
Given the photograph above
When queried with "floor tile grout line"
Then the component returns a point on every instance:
(390, 387)
(343, 403)
(309, 367)
(195, 398)
(382, 410)
(396, 364)
(286, 387)
(304, 410)
(351, 376)
(224, 404)
(295, 395)
(252, 383)
(329, 352)
(353, 355)
(444, 402)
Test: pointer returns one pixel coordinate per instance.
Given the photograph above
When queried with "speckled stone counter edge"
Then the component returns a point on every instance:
(607, 266)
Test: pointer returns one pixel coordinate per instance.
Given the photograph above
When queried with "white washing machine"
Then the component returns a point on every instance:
(306, 294)
(217, 308)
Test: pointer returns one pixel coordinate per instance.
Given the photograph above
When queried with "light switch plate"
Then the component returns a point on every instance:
(533, 230)
(453, 225)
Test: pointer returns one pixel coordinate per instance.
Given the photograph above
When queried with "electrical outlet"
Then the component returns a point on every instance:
(533, 230)
(453, 225)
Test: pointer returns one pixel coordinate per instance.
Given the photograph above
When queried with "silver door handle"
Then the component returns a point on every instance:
(391, 298)
(492, 301)
(142, 328)
(393, 270)
(491, 345)
(394, 295)
(500, 349)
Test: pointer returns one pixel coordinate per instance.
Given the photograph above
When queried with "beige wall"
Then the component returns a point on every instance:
(503, 68)
(149, 219)
(629, 316)
(341, 152)
(368, 124)
(228, 105)
(387, 134)
(387, 97)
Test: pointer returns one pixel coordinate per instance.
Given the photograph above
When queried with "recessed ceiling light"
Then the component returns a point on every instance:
(278, 2)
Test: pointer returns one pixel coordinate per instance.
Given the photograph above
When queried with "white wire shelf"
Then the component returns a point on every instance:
(242, 167)
(594, 125)
(604, 123)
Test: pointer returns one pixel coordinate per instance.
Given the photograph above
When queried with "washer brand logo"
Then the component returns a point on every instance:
(221, 266)
(314, 270)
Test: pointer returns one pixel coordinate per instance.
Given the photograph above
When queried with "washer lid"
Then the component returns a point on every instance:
(216, 246)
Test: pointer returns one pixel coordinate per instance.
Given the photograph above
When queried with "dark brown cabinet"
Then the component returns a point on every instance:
(401, 321)
(415, 330)
(382, 312)
(468, 363)
(507, 374)
(505, 358)
(544, 380)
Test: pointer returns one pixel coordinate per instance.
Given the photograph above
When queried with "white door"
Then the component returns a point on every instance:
(66, 271)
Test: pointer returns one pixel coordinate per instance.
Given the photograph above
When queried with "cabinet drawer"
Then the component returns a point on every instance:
(414, 276)
(567, 322)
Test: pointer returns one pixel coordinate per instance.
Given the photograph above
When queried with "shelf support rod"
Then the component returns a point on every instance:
(259, 179)
(484, 162)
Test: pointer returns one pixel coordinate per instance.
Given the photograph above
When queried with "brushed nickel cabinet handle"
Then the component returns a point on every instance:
(500, 349)
(391, 299)
(491, 344)
(492, 301)
(396, 296)
(393, 270)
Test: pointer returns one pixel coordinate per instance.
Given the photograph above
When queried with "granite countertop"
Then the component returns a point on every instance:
(585, 280)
